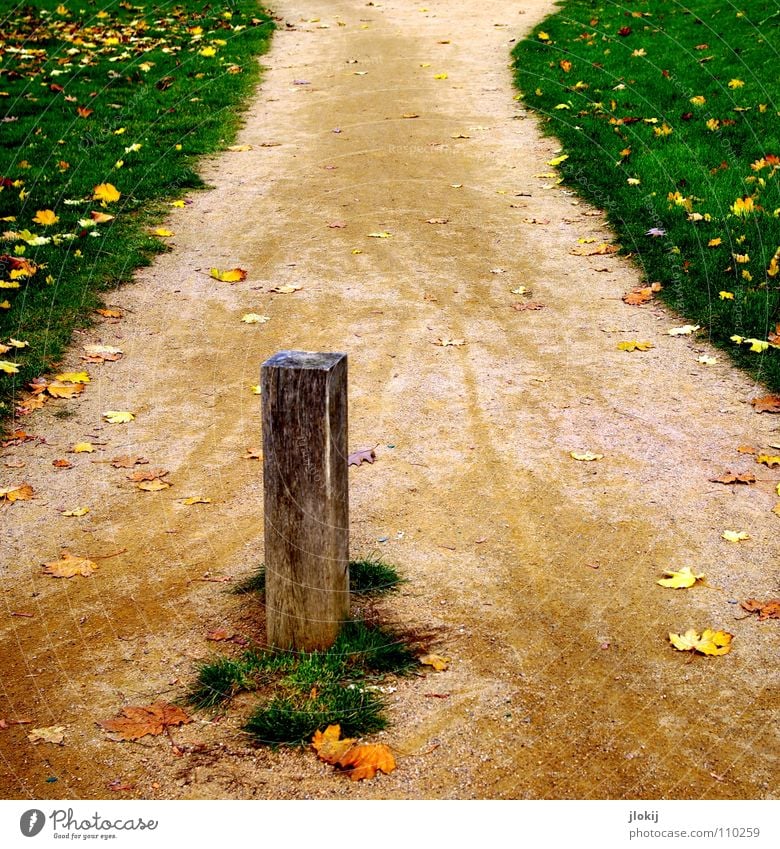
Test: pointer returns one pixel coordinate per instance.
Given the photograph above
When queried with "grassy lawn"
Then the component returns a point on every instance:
(669, 122)
(105, 108)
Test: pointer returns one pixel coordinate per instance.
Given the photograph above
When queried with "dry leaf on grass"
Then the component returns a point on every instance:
(22, 492)
(438, 662)
(710, 642)
(365, 455)
(133, 723)
(53, 734)
(769, 609)
(68, 566)
(680, 579)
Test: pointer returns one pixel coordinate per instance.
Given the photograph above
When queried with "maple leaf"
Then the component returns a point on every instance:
(128, 462)
(147, 475)
(710, 642)
(680, 579)
(9, 368)
(770, 460)
(69, 565)
(53, 734)
(633, 345)
(101, 353)
(73, 377)
(769, 609)
(22, 492)
(106, 192)
(735, 536)
(232, 275)
(767, 404)
(64, 390)
(587, 457)
(438, 662)
(62, 464)
(118, 416)
(155, 485)
(636, 297)
(133, 723)
(329, 747)
(365, 455)
(731, 477)
(163, 232)
(365, 761)
(254, 318)
(45, 217)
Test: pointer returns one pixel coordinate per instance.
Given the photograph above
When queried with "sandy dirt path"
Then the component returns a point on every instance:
(539, 569)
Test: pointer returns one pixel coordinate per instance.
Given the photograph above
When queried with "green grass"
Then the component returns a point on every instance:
(153, 99)
(368, 576)
(609, 80)
(306, 691)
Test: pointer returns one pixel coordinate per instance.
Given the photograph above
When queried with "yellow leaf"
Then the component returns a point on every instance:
(23, 492)
(770, 460)
(698, 100)
(735, 83)
(438, 662)
(73, 377)
(366, 760)
(64, 390)
(9, 368)
(287, 289)
(558, 159)
(440, 76)
(587, 457)
(706, 360)
(380, 235)
(256, 389)
(254, 318)
(208, 51)
(106, 192)
(79, 511)
(153, 485)
(45, 217)
(83, 448)
(328, 746)
(118, 416)
(163, 232)
(542, 36)
(726, 296)
(735, 536)
(68, 566)
(634, 346)
(743, 206)
(710, 642)
(713, 243)
(233, 275)
(195, 500)
(680, 579)
(240, 148)
(685, 330)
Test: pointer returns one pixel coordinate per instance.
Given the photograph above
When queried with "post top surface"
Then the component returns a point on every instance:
(304, 360)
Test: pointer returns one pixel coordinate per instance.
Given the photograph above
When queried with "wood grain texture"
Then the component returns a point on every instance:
(306, 498)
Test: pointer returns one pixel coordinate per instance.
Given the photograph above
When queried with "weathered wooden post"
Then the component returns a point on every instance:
(306, 498)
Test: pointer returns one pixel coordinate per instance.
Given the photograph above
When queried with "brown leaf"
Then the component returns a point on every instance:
(747, 449)
(147, 475)
(438, 221)
(636, 297)
(365, 761)
(69, 565)
(23, 492)
(219, 635)
(118, 785)
(767, 404)
(731, 477)
(769, 609)
(127, 462)
(528, 305)
(328, 746)
(62, 464)
(133, 723)
(365, 455)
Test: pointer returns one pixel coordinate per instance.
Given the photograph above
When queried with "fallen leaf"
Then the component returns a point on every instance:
(233, 275)
(118, 416)
(253, 454)
(365, 455)
(633, 345)
(770, 460)
(767, 404)
(328, 746)
(706, 360)
(450, 343)
(682, 578)
(527, 306)
(747, 449)
(587, 457)
(520, 290)
(254, 318)
(64, 390)
(636, 297)
(365, 761)
(22, 492)
(163, 232)
(239, 148)
(337, 225)
(155, 485)
(147, 475)
(219, 635)
(8, 368)
(53, 734)
(735, 536)
(101, 353)
(195, 499)
(127, 462)
(79, 511)
(685, 330)
(62, 464)
(83, 448)
(68, 566)
(710, 642)
(45, 217)
(601, 250)
(380, 235)
(109, 313)
(731, 477)
(106, 192)
(287, 289)
(133, 723)
(101, 217)
(117, 785)
(769, 609)
(438, 662)
(72, 377)
(437, 221)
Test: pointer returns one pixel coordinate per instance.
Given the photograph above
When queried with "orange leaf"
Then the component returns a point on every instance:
(767, 404)
(328, 746)
(364, 761)
(23, 492)
(68, 566)
(638, 296)
(64, 390)
(132, 723)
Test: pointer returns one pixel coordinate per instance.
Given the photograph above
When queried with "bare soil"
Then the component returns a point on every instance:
(539, 570)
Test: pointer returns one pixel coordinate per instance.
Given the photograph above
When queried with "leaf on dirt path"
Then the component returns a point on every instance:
(633, 345)
(72, 377)
(62, 464)
(731, 477)
(133, 723)
(22, 492)
(195, 499)
(287, 289)
(118, 786)
(364, 455)
(156, 485)
(747, 449)
(735, 536)
(603, 249)
(527, 306)
(110, 313)
(118, 416)
(706, 360)
(232, 275)
(329, 747)
(220, 635)
(586, 457)
(382, 234)
(685, 330)
(680, 579)
(710, 642)
(449, 343)
(254, 318)
(437, 221)
(83, 448)
(68, 566)
(53, 734)
(337, 225)
(64, 390)
(147, 475)
(767, 404)
(769, 609)
(770, 460)
(239, 148)
(102, 353)
(438, 662)
(364, 761)
(519, 290)
(78, 512)
(127, 462)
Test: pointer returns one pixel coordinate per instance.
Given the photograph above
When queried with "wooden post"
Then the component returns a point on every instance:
(306, 498)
